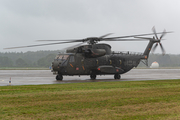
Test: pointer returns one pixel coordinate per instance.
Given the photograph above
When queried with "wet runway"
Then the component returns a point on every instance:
(36, 77)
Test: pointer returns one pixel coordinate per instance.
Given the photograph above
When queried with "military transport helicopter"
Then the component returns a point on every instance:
(98, 59)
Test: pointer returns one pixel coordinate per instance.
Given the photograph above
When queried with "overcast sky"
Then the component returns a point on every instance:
(24, 21)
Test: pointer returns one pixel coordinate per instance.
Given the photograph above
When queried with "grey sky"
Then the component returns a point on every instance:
(24, 21)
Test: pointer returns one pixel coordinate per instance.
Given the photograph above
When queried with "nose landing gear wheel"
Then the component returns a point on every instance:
(117, 76)
(59, 77)
(93, 76)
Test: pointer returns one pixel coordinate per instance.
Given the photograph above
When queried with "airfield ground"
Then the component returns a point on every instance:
(37, 77)
(93, 100)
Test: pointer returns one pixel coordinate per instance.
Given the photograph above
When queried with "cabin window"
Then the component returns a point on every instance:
(82, 61)
(97, 61)
(120, 62)
(71, 59)
(110, 61)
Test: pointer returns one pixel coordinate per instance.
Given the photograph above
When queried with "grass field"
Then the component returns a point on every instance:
(95, 101)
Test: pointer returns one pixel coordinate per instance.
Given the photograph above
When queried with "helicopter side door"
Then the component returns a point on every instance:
(75, 65)
(116, 61)
(71, 65)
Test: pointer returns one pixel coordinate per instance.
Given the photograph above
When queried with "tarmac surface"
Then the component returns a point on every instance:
(37, 77)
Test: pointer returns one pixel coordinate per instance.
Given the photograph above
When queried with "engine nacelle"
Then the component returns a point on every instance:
(72, 50)
(93, 53)
(88, 52)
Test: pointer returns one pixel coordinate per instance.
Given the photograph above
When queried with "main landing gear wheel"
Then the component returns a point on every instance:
(59, 77)
(93, 76)
(117, 76)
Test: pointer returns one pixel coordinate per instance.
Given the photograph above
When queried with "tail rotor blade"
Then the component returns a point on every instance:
(154, 47)
(163, 34)
(154, 31)
(162, 48)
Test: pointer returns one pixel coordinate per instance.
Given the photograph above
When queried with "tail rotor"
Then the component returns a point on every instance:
(158, 41)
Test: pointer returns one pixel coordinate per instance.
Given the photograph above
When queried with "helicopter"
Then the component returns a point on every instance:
(97, 58)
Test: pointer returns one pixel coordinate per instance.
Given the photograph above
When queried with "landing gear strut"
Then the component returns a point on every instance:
(117, 76)
(93, 76)
(59, 77)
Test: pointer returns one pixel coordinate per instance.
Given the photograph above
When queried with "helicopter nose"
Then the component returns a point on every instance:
(56, 65)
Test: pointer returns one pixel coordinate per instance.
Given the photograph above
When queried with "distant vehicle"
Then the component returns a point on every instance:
(98, 59)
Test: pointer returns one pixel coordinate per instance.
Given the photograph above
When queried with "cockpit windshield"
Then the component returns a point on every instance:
(61, 57)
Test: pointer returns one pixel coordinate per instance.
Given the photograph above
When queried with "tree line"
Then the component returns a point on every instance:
(27, 59)
(45, 58)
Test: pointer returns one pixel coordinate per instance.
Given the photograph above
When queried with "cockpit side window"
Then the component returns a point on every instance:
(62, 57)
(71, 59)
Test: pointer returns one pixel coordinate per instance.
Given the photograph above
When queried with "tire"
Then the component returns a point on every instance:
(59, 77)
(117, 76)
(93, 76)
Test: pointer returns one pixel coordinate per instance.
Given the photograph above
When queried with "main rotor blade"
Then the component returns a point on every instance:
(107, 39)
(132, 36)
(38, 45)
(153, 49)
(77, 45)
(78, 40)
(127, 40)
(144, 38)
(105, 35)
(154, 31)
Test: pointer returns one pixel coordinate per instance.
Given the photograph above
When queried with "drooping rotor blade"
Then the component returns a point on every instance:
(38, 45)
(141, 39)
(94, 40)
(105, 35)
(101, 38)
(144, 38)
(77, 45)
(78, 40)
(163, 34)
(162, 48)
(154, 31)
(71, 40)
(154, 48)
(132, 36)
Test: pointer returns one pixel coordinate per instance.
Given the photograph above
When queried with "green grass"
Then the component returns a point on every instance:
(95, 101)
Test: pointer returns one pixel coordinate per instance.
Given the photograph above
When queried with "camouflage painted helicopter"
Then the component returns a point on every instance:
(98, 59)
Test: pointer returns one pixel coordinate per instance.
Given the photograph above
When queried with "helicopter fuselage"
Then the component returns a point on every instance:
(79, 63)
(97, 59)
(76, 64)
